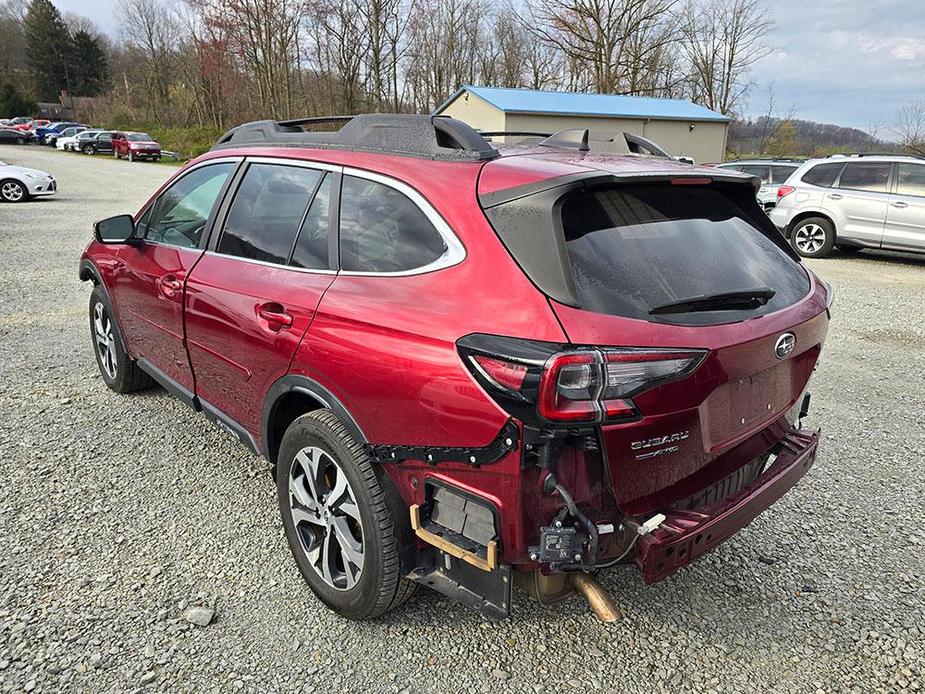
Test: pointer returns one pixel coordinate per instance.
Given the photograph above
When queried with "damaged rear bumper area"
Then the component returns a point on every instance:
(685, 535)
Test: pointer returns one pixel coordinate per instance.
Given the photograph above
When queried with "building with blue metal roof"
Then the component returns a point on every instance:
(681, 127)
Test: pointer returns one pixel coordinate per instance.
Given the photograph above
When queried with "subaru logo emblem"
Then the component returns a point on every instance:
(784, 345)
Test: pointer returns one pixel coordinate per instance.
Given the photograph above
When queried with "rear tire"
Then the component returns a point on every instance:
(341, 517)
(119, 373)
(813, 237)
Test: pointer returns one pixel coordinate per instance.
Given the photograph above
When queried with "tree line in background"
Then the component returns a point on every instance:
(216, 63)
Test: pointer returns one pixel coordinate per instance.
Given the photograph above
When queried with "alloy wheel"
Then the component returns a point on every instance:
(810, 238)
(105, 340)
(12, 191)
(326, 518)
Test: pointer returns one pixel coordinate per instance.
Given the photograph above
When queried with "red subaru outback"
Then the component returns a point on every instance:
(470, 363)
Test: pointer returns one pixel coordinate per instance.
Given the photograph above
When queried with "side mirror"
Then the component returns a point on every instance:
(118, 229)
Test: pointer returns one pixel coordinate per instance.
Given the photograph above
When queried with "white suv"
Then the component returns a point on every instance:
(854, 201)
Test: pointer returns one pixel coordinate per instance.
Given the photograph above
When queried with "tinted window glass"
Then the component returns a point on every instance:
(381, 230)
(762, 172)
(910, 179)
(865, 176)
(779, 174)
(823, 175)
(267, 211)
(311, 248)
(181, 213)
(633, 249)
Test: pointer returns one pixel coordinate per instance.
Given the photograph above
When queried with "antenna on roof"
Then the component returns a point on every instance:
(574, 138)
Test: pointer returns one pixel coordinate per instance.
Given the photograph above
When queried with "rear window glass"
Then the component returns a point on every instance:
(823, 175)
(761, 171)
(779, 174)
(636, 248)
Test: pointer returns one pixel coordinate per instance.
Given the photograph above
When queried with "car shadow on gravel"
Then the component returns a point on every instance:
(871, 255)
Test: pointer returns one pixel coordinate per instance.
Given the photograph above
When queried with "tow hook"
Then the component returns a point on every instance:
(599, 600)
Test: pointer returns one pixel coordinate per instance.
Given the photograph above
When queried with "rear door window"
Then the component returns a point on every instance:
(872, 177)
(268, 211)
(823, 175)
(635, 248)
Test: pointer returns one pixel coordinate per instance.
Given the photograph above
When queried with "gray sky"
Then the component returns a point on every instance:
(848, 62)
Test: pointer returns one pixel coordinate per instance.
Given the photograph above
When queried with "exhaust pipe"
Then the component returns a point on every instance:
(599, 600)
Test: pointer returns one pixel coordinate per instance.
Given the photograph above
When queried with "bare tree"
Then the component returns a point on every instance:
(149, 30)
(607, 45)
(447, 37)
(722, 39)
(910, 127)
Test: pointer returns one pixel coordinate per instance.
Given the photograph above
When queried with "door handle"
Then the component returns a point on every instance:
(836, 196)
(900, 204)
(276, 316)
(170, 285)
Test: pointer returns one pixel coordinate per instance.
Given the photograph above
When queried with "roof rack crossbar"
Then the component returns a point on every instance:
(512, 133)
(315, 119)
(433, 137)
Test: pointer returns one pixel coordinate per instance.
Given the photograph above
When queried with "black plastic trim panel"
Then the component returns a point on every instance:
(506, 441)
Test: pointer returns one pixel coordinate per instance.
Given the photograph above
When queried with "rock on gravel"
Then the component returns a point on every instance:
(97, 491)
(200, 616)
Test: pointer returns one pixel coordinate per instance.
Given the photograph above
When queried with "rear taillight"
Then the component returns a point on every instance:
(783, 191)
(561, 383)
(503, 374)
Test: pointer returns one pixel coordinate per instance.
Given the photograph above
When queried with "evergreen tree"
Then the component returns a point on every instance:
(48, 47)
(88, 68)
(12, 103)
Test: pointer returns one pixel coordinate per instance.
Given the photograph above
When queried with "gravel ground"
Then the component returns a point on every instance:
(118, 513)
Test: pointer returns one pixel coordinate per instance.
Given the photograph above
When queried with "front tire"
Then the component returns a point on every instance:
(119, 373)
(131, 157)
(13, 191)
(813, 237)
(340, 516)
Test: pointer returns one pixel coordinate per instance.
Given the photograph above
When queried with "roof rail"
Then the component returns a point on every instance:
(433, 137)
(875, 154)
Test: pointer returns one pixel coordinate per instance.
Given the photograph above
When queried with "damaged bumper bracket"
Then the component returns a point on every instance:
(506, 441)
(686, 535)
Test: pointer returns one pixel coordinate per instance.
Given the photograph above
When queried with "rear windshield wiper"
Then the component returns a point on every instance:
(725, 301)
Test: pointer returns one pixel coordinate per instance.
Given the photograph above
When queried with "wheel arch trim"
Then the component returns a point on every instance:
(89, 272)
(296, 383)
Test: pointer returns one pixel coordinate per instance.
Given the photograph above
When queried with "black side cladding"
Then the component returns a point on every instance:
(415, 135)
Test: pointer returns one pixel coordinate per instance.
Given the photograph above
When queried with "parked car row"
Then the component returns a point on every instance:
(79, 137)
